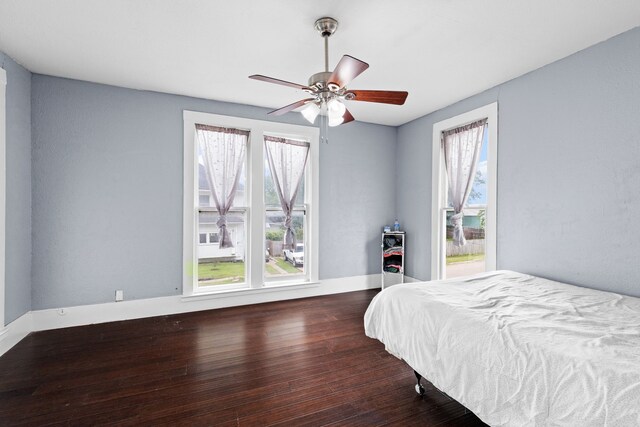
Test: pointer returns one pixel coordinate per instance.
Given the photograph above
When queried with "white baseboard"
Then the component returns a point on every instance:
(64, 317)
(136, 309)
(13, 333)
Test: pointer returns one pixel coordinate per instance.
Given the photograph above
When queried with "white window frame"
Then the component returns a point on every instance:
(242, 210)
(276, 281)
(255, 212)
(439, 194)
(3, 189)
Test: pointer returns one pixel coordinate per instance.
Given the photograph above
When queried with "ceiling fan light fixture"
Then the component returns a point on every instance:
(335, 111)
(310, 112)
(335, 120)
(336, 107)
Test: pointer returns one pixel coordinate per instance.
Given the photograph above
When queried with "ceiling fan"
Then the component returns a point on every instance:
(328, 89)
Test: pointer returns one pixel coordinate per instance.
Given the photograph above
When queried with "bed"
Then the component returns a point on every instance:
(518, 350)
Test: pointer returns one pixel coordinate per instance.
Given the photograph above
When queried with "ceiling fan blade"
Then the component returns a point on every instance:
(382, 96)
(290, 107)
(347, 117)
(347, 69)
(278, 81)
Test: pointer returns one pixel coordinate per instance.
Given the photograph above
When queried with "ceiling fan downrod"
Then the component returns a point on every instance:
(326, 53)
(326, 26)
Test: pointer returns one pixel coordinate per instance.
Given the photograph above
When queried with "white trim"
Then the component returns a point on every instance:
(235, 292)
(438, 177)
(55, 318)
(15, 331)
(255, 183)
(3, 189)
(136, 309)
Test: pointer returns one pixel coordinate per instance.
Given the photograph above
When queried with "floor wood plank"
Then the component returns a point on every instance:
(301, 362)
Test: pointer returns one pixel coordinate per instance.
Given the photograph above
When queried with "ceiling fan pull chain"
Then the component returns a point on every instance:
(324, 129)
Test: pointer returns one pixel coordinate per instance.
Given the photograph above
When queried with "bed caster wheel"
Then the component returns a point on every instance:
(419, 389)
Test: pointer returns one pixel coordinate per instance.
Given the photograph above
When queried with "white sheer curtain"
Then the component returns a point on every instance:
(287, 159)
(461, 148)
(223, 151)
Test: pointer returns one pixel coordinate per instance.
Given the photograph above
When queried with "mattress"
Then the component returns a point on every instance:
(518, 350)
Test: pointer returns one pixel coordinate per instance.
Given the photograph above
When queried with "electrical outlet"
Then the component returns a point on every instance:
(119, 295)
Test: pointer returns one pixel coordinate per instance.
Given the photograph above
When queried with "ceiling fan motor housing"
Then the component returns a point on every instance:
(320, 79)
(326, 26)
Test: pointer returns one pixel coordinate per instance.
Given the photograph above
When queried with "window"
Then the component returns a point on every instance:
(284, 190)
(244, 226)
(208, 238)
(221, 162)
(464, 194)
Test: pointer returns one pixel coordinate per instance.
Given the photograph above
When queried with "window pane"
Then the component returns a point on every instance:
(470, 258)
(205, 199)
(282, 264)
(270, 193)
(216, 265)
(293, 159)
(225, 149)
(467, 259)
(478, 194)
(288, 158)
(203, 238)
(300, 196)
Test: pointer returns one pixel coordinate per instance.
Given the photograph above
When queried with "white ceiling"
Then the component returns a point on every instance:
(440, 51)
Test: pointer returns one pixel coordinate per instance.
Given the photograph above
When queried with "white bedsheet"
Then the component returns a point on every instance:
(516, 349)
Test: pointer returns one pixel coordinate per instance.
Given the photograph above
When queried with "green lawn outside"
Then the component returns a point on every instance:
(464, 258)
(215, 272)
(224, 273)
(286, 266)
(271, 269)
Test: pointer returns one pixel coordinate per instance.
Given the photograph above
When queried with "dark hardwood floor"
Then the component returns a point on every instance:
(302, 362)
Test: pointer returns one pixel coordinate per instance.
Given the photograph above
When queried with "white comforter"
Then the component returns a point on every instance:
(517, 349)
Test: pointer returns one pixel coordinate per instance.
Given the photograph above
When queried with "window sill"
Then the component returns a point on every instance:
(249, 291)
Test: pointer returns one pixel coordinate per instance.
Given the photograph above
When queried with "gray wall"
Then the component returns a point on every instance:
(107, 191)
(568, 170)
(106, 182)
(357, 197)
(18, 190)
